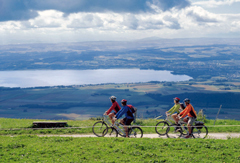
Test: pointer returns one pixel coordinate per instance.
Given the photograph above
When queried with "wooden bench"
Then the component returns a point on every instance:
(49, 124)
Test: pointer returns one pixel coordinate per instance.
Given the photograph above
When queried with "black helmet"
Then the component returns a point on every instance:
(187, 100)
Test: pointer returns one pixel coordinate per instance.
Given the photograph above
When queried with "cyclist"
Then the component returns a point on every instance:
(115, 107)
(191, 116)
(129, 117)
(174, 109)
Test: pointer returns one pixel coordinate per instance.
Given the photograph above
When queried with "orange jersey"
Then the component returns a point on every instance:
(189, 110)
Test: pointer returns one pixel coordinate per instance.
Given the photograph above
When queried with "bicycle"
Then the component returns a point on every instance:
(199, 130)
(166, 127)
(101, 129)
(163, 128)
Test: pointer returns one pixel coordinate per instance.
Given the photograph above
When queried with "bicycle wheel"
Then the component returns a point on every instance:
(172, 133)
(184, 129)
(112, 132)
(135, 132)
(200, 133)
(100, 129)
(121, 130)
(161, 128)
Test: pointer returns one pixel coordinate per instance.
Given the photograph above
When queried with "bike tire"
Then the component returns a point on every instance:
(184, 129)
(100, 129)
(135, 132)
(161, 128)
(171, 133)
(122, 129)
(200, 133)
(112, 132)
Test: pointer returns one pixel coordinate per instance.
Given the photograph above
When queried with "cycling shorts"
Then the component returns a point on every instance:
(191, 120)
(127, 121)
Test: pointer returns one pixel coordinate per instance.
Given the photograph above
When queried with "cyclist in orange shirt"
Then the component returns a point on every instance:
(115, 107)
(191, 116)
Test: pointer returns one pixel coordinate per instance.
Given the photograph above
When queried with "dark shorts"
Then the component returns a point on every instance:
(127, 121)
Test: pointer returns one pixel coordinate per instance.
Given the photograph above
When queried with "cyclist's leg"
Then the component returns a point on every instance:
(126, 124)
(175, 117)
(191, 121)
(122, 121)
(111, 115)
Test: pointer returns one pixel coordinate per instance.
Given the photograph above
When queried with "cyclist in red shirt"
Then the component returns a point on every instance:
(191, 116)
(115, 107)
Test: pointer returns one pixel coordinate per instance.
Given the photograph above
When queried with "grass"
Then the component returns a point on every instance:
(10, 126)
(67, 149)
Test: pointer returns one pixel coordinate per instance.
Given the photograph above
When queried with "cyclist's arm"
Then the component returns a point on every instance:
(185, 111)
(121, 112)
(110, 109)
(171, 111)
(174, 109)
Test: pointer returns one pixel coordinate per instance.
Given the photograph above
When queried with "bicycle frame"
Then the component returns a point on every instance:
(116, 124)
(167, 119)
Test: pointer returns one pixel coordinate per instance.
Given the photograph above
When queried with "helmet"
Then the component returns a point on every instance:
(177, 99)
(187, 100)
(113, 98)
(124, 101)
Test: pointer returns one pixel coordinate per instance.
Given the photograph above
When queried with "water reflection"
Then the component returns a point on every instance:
(34, 78)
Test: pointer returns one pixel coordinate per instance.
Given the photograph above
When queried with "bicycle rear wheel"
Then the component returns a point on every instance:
(135, 132)
(200, 132)
(161, 128)
(173, 133)
(100, 129)
(112, 132)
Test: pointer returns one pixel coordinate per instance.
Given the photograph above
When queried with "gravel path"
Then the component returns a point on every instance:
(210, 135)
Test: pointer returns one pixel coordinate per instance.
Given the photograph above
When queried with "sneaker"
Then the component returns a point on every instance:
(188, 136)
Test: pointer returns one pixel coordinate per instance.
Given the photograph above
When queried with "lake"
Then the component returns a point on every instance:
(36, 78)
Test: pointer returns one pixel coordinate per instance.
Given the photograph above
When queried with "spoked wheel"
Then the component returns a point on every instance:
(173, 132)
(100, 129)
(121, 132)
(161, 128)
(135, 132)
(201, 132)
(184, 129)
(112, 132)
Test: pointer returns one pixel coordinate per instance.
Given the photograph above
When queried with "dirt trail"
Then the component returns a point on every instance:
(210, 135)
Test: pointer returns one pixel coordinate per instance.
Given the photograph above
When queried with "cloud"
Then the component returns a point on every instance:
(215, 3)
(27, 9)
(200, 15)
(15, 10)
(85, 20)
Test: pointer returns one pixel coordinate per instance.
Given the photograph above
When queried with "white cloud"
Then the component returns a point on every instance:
(85, 20)
(215, 3)
(55, 26)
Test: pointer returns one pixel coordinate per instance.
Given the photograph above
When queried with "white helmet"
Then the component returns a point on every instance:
(113, 98)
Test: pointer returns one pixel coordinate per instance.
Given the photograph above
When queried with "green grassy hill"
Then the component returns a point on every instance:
(60, 149)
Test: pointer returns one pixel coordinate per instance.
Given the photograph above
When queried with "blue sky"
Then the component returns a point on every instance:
(51, 21)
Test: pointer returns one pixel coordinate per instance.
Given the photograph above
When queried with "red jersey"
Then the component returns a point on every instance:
(114, 107)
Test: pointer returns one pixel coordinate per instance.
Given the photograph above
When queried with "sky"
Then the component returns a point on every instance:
(54, 21)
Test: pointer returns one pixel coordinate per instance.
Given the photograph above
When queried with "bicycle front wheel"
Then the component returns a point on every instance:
(100, 129)
(161, 128)
(135, 132)
(174, 131)
(112, 132)
(201, 132)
